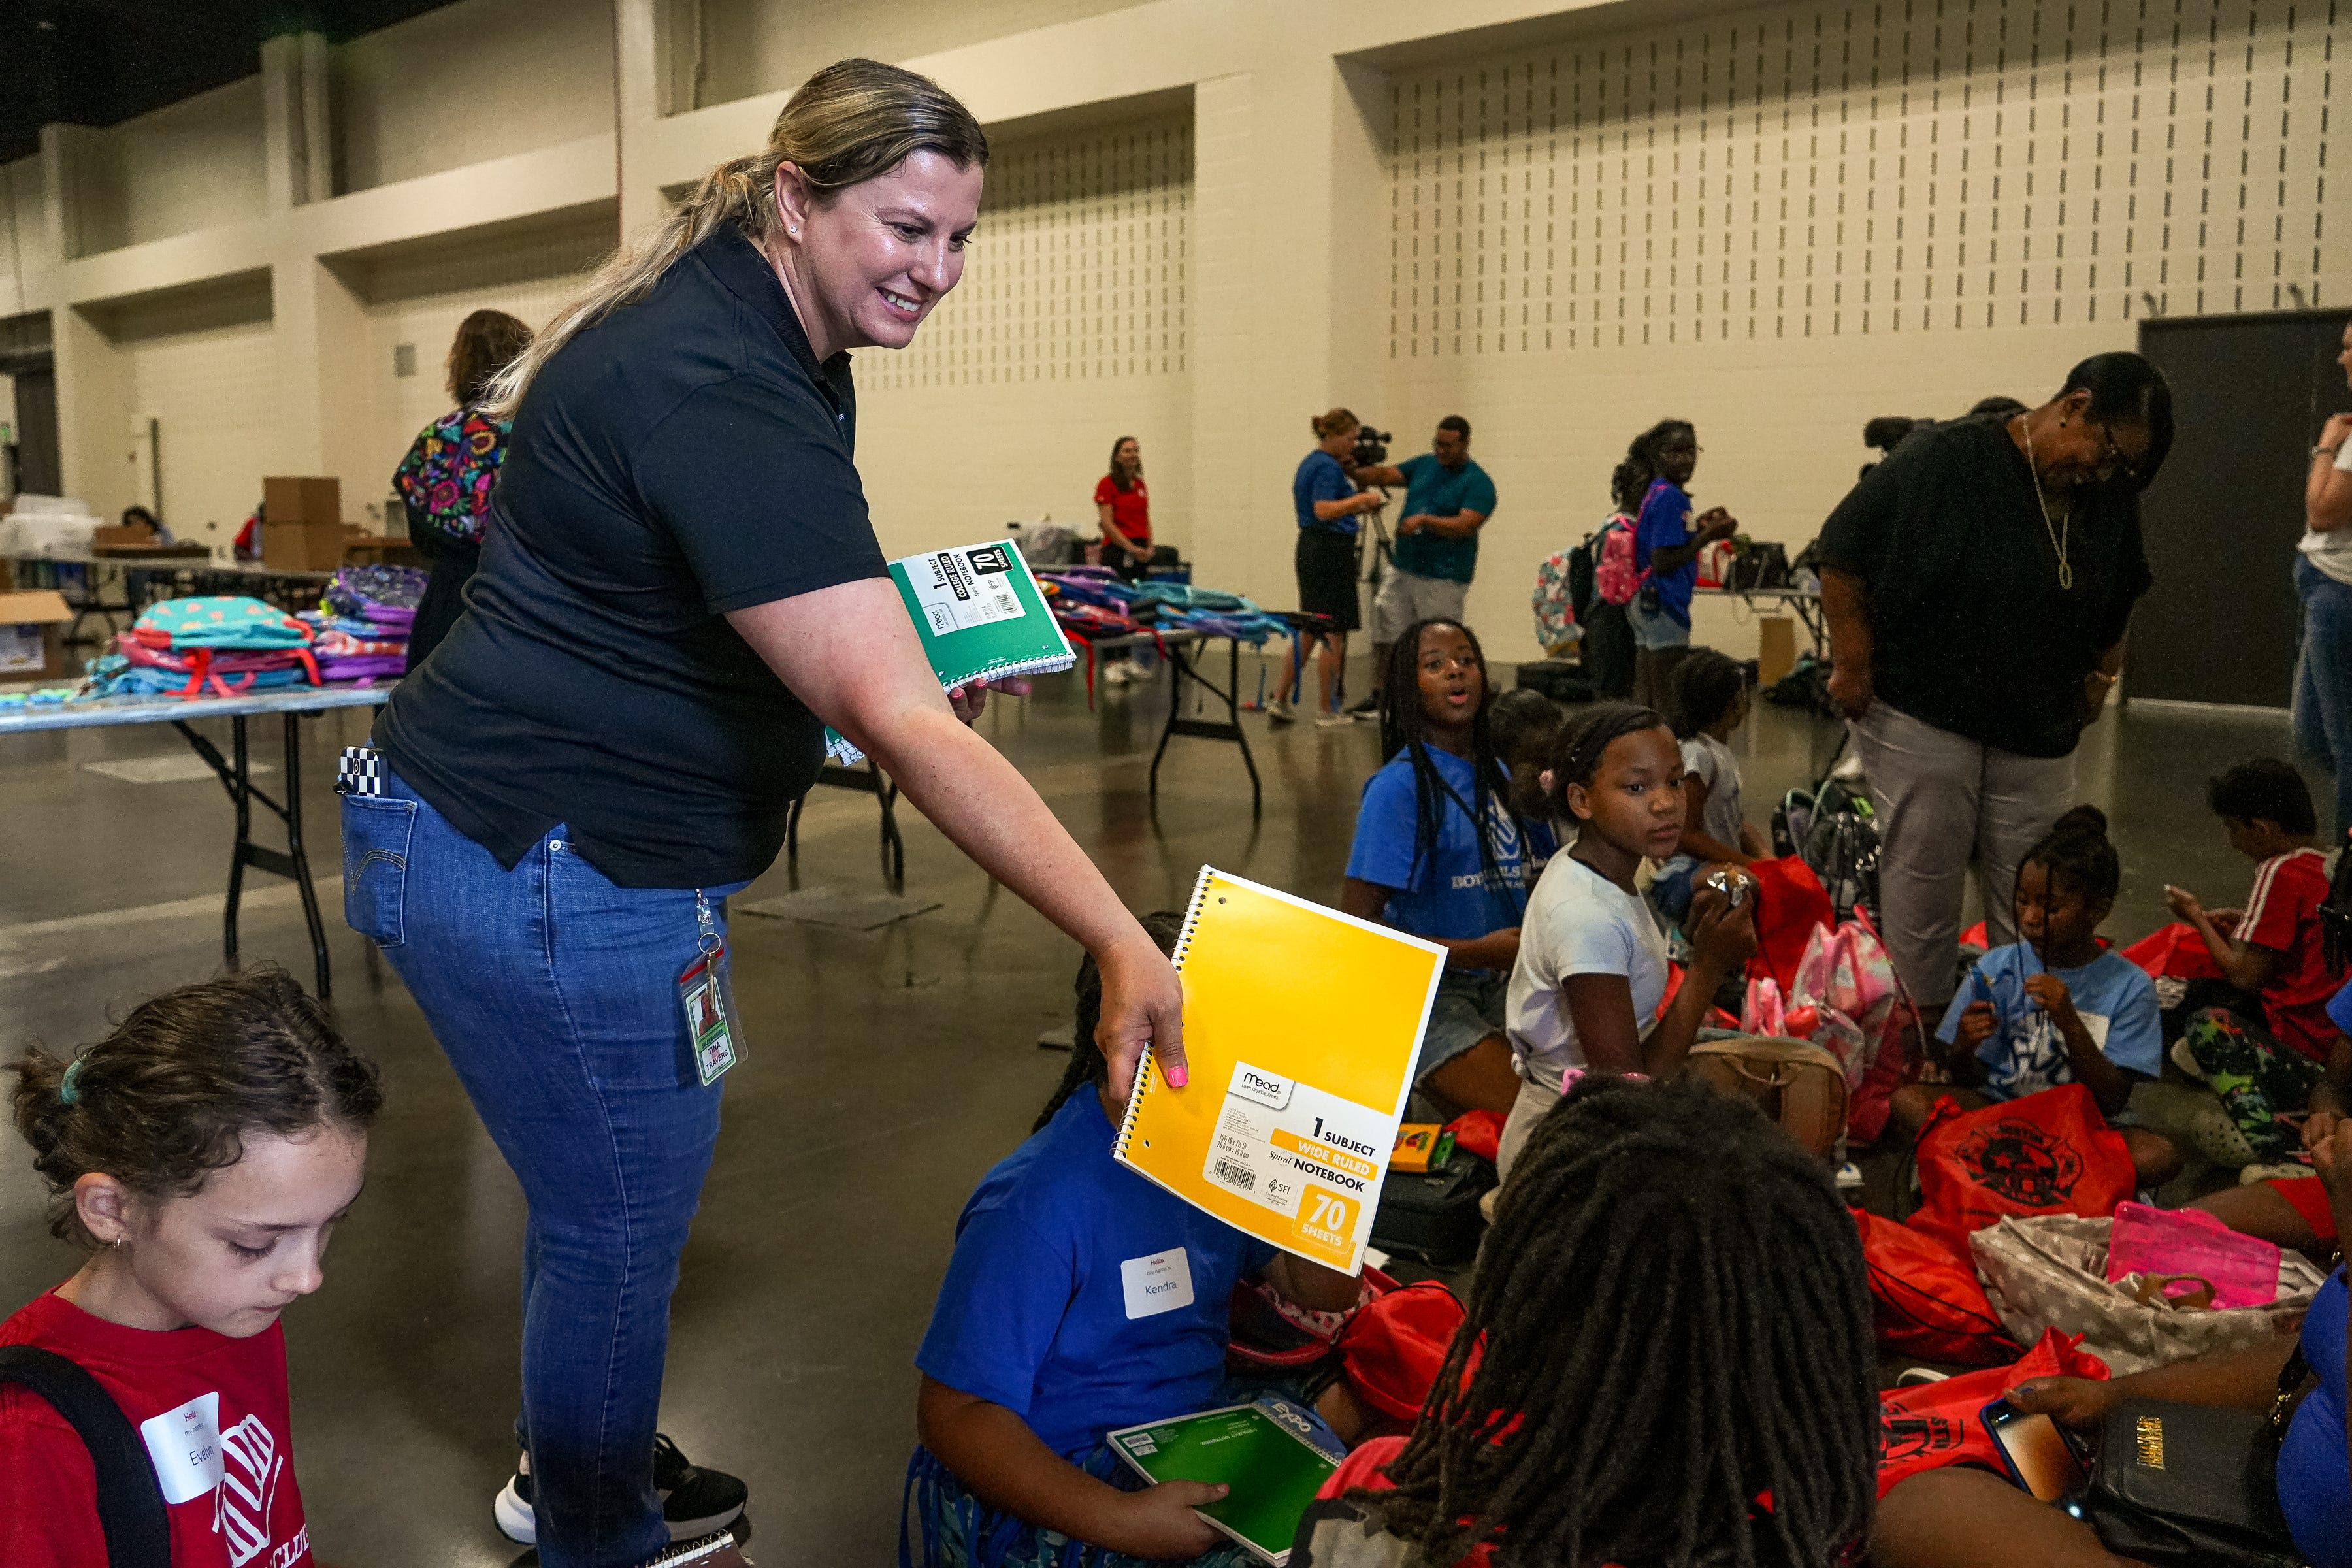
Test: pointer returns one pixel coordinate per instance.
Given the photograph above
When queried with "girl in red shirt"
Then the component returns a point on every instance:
(203, 1153)
(1123, 507)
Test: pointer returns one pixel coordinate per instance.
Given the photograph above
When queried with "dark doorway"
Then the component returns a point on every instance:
(35, 449)
(2223, 521)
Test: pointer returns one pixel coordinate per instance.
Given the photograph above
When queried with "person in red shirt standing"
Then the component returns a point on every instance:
(1123, 507)
(203, 1152)
(2273, 948)
(1667, 1355)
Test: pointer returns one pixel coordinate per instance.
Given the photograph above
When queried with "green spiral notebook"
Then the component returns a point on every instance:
(1260, 1450)
(980, 617)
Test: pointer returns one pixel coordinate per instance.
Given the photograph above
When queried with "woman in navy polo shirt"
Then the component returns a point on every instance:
(678, 591)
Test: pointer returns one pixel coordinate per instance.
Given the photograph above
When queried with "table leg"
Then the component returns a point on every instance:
(894, 848)
(1180, 669)
(293, 863)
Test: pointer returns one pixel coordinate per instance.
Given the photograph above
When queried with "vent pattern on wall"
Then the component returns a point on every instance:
(1075, 272)
(1885, 165)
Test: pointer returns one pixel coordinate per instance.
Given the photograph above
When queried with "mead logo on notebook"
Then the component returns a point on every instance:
(1270, 1089)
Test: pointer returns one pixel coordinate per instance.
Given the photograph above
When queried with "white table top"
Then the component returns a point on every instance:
(1784, 592)
(162, 709)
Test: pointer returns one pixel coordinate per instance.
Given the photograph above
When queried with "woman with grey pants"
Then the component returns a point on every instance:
(1977, 586)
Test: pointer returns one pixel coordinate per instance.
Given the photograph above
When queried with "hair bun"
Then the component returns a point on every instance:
(2081, 820)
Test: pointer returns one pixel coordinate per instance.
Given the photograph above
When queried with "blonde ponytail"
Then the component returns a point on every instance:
(850, 122)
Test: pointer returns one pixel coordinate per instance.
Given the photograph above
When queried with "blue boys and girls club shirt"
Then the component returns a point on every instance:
(2027, 1054)
(1082, 1298)
(1449, 893)
(1320, 478)
(1665, 512)
(1431, 487)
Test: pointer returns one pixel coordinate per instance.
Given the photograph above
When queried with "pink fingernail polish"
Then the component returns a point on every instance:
(1177, 1077)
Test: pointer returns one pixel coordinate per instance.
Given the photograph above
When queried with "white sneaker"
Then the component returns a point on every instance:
(1334, 720)
(2185, 1059)
(1280, 711)
(1122, 673)
(2286, 1171)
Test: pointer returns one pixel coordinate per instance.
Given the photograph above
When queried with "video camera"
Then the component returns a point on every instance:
(1371, 447)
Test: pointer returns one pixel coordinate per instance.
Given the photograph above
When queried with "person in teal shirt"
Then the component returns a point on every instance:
(1447, 499)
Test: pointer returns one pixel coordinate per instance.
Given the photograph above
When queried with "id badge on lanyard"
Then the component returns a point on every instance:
(709, 1000)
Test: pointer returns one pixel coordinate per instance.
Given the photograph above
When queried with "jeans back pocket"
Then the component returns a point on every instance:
(377, 830)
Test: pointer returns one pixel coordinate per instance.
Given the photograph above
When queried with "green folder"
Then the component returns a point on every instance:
(1274, 1470)
(980, 617)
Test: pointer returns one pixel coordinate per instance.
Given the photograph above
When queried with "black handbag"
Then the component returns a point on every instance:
(130, 1511)
(2193, 1485)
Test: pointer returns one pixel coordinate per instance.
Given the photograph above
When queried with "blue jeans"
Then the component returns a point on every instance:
(554, 994)
(2323, 680)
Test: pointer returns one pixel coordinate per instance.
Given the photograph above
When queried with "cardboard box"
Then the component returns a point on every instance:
(302, 500)
(1776, 650)
(302, 546)
(32, 635)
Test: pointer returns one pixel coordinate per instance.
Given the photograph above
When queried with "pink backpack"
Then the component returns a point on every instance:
(1614, 577)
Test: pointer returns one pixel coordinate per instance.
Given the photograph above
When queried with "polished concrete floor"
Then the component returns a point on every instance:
(886, 1071)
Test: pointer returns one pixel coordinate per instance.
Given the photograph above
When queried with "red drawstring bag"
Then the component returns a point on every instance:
(1931, 1426)
(1925, 1297)
(1392, 1347)
(1266, 1332)
(1790, 903)
(2050, 1153)
(2174, 951)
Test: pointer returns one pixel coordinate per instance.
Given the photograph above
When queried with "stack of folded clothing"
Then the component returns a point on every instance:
(223, 646)
(362, 627)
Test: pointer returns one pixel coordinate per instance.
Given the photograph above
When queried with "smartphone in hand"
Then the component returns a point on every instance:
(2037, 1454)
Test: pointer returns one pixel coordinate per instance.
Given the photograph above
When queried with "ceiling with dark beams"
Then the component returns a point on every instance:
(99, 62)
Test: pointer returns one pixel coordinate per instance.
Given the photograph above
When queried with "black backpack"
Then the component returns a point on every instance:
(2335, 914)
(1841, 844)
(130, 1510)
(1580, 580)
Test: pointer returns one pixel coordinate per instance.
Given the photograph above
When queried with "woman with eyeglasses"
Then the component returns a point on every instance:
(1977, 586)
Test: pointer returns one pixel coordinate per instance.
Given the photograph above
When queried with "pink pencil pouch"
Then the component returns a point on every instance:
(2187, 1245)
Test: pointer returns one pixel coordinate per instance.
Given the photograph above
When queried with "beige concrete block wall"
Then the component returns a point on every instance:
(192, 165)
(1562, 222)
(468, 83)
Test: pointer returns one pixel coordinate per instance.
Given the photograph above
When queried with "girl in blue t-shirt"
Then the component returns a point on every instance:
(1081, 1299)
(2056, 1007)
(1439, 853)
(1665, 549)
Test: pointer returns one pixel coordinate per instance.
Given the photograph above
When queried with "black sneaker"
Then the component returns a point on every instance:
(694, 1500)
(1370, 708)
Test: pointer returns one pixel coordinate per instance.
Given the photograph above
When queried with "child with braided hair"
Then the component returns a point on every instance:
(1666, 1361)
(1441, 853)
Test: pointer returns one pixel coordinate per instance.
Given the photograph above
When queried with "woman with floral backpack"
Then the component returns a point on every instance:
(444, 481)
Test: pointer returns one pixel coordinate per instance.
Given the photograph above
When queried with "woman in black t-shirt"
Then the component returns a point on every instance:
(1977, 586)
(679, 589)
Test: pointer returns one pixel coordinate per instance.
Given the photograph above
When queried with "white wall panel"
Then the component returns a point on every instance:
(751, 47)
(468, 83)
(195, 164)
(206, 367)
(420, 301)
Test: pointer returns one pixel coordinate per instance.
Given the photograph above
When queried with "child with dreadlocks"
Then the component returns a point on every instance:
(1590, 983)
(2056, 1007)
(1666, 1361)
(1081, 1299)
(1428, 861)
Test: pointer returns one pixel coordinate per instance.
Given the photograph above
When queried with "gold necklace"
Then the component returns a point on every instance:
(2058, 537)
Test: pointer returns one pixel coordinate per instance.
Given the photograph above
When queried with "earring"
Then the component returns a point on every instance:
(2061, 423)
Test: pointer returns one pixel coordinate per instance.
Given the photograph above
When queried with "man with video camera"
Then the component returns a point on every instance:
(1447, 499)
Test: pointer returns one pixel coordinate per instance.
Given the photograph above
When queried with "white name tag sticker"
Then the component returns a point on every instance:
(186, 1446)
(2098, 1024)
(1159, 1283)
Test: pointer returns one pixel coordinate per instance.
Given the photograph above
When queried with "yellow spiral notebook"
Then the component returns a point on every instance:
(1301, 1026)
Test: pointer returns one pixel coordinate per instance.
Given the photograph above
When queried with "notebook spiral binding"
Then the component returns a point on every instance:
(702, 1549)
(1146, 1070)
